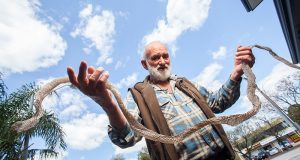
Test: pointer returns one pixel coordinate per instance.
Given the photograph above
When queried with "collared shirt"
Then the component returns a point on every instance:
(181, 113)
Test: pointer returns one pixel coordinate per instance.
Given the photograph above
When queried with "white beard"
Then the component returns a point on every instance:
(159, 74)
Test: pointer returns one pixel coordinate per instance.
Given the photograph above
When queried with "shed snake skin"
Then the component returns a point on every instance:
(232, 120)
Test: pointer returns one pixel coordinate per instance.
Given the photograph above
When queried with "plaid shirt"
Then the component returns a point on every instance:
(181, 113)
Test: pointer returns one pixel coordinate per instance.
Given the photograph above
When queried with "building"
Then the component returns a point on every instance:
(270, 135)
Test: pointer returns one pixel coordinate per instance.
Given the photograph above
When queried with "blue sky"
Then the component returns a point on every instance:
(39, 39)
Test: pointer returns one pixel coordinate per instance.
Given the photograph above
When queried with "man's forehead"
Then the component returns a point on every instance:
(156, 47)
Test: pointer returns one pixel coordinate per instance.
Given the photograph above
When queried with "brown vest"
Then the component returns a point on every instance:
(153, 118)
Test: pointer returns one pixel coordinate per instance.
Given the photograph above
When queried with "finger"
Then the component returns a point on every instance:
(104, 76)
(242, 57)
(244, 52)
(246, 58)
(95, 76)
(102, 80)
(91, 70)
(82, 79)
(241, 48)
(72, 76)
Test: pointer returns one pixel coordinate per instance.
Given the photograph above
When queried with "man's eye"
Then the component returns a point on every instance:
(154, 58)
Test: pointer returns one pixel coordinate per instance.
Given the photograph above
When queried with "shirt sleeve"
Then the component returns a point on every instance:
(126, 137)
(223, 98)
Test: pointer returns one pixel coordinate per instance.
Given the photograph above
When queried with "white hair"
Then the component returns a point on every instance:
(149, 46)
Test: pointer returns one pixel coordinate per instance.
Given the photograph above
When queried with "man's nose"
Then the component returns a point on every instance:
(162, 60)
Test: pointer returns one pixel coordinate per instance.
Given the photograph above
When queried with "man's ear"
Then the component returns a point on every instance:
(143, 62)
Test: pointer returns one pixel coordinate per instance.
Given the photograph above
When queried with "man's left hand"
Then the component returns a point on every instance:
(243, 54)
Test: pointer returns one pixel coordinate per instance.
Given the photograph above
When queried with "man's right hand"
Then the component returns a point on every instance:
(91, 82)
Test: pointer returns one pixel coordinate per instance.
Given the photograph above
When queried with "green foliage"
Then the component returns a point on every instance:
(18, 106)
(144, 154)
(294, 113)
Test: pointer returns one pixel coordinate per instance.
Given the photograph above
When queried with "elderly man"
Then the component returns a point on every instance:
(168, 105)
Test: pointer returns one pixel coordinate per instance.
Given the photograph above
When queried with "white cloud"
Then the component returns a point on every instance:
(128, 81)
(245, 106)
(73, 101)
(87, 11)
(118, 65)
(83, 130)
(74, 110)
(86, 50)
(219, 54)
(86, 132)
(279, 71)
(181, 15)
(51, 101)
(137, 147)
(122, 64)
(39, 44)
(98, 27)
(208, 76)
(67, 103)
